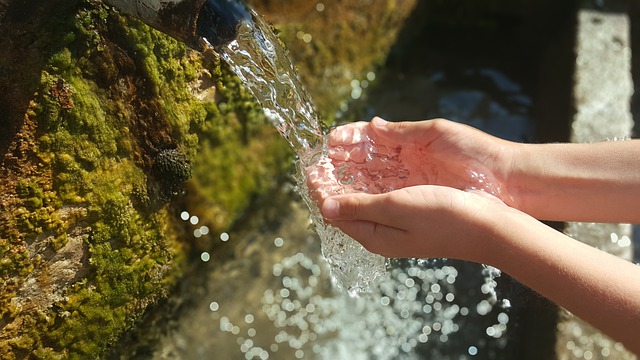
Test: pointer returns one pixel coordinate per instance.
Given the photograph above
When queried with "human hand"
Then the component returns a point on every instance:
(432, 152)
(419, 221)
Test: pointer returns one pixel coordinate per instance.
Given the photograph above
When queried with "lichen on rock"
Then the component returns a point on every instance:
(103, 118)
(85, 250)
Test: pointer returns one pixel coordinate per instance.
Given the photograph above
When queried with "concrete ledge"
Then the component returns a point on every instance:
(602, 95)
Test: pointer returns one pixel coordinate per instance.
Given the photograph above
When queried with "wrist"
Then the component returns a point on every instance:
(519, 162)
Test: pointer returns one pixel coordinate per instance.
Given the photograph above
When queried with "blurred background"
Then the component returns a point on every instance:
(149, 210)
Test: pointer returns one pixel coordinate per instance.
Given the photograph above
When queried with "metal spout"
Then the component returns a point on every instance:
(219, 20)
(189, 20)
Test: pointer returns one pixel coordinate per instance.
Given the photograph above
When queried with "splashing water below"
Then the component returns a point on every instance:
(257, 58)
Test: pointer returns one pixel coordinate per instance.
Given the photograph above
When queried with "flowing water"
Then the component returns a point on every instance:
(257, 57)
(406, 309)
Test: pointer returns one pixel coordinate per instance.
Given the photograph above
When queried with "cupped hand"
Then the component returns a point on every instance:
(419, 221)
(433, 152)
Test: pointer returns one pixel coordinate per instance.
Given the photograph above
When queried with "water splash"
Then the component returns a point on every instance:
(256, 57)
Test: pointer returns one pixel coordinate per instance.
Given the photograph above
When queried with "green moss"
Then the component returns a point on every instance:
(95, 89)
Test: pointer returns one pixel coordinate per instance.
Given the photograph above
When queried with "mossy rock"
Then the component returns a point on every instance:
(110, 130)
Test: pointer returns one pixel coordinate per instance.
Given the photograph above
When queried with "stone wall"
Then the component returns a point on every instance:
(109, 130)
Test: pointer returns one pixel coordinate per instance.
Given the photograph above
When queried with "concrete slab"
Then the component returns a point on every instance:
(602, 93)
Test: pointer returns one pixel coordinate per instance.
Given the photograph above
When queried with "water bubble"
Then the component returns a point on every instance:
(371, 76)
(248, 318)
(197, 233)
(503, 318)
(205, 256)
(251, 332)
(624, 241)
(319, 7)
(204, 230)
(307, 38)
(491, 331)
(224, 236)
(483, 307)
(213, 306)
(473, 351)
(356, 93)
(184, 215)
(278, 242)
(194, 220)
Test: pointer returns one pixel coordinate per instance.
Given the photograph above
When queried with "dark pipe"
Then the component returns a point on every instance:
(189, 20)
(219, 20)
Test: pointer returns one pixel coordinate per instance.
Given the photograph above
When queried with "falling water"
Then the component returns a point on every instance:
(257, 58)
(413, 310)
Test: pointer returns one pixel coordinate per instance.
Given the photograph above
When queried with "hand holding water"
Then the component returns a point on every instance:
(426, 211)
(432, 152)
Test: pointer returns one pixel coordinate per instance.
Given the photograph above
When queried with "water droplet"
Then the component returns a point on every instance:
(213, 306)
(503, 318)
(473, 351)
(205, 256)
(278, 242)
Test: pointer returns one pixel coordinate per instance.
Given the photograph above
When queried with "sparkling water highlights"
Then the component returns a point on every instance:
(257, 58)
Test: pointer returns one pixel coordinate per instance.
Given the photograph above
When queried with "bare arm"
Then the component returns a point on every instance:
(597, 287)
(597, 182)
(434, 221)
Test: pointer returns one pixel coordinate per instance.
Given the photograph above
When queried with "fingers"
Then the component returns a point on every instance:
(412, 132)
(376, 238)
(362, 207)
(350, 134)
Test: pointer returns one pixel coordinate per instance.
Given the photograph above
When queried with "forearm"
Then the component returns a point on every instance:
(597, 182)
(597, 287)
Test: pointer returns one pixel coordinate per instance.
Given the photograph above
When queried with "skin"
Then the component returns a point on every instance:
(436, 210)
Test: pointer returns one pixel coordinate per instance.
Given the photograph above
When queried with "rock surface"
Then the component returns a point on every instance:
(90, 229)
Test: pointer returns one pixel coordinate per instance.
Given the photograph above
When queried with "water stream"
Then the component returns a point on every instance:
(287, 307)
(257, 57)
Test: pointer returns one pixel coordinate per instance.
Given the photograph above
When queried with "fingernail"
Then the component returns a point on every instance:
(379, 122)
(330, 209)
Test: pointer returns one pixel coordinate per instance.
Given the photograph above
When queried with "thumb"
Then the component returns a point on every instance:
(360, 206)
(405, 131)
